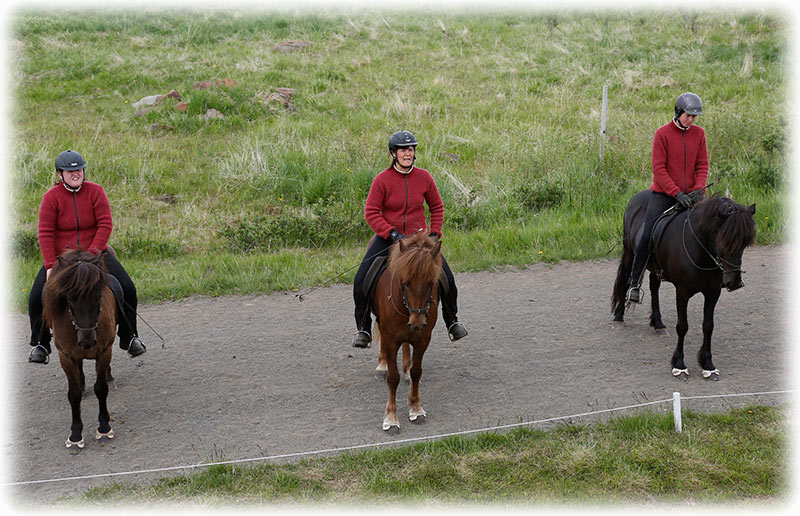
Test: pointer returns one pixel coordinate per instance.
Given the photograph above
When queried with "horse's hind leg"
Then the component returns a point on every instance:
(704, 355)
(655, 314)
(678, 365)
(71, 368)
(621, 288)
(102, 367)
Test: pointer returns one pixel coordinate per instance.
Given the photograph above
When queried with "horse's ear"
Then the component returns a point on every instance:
(437, 247)
(752, 209)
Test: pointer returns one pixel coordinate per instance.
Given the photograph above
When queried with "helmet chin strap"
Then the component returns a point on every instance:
(679, 124)
(395, 163)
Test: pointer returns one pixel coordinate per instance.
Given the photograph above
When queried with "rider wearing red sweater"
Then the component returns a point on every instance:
(75, 214)
(680, 171)
(395, 208)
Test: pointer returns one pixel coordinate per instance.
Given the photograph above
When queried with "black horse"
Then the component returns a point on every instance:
(700, 250)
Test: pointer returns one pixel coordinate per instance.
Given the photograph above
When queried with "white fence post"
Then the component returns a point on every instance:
(676, 411)
(603, 116)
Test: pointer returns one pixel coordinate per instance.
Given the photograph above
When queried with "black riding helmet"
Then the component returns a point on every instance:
(688, 103)
(401, 139)
(69, 160)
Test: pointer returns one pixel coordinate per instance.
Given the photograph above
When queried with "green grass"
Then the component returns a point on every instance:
(738, 456)
(506, 105)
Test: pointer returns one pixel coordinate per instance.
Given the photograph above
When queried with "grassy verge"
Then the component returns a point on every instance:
(737, 456)
(506, 105)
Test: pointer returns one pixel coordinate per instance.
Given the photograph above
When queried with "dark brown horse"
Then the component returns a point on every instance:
(81, 310)
(700, 250)
(406, 306)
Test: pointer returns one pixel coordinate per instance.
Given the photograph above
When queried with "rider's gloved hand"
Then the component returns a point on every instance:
(434, 236)
(684, 199)
(697, 195)
(394, 236)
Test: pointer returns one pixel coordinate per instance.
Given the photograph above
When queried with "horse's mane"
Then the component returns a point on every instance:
(416, 264)
(77, 275)
(733, 224)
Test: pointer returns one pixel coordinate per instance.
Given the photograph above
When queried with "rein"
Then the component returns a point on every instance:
(423, 310)
(75, 325)
(716, 259)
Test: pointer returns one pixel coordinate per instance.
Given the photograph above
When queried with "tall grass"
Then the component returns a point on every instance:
(506, 105)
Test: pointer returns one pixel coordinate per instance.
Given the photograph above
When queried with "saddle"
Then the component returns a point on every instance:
(659, 226)
(376, 268)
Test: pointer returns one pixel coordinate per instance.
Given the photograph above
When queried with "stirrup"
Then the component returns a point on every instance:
(634, 295)
(456, 331)
(362, 339)
(39, 355)
(136, 347)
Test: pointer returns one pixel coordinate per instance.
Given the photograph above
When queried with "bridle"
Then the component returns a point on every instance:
(423, 310)
(718, 260)
(75, 324)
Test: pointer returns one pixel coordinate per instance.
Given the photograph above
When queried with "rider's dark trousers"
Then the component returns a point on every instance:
(380, 247)
(655, 207)
(126, 319)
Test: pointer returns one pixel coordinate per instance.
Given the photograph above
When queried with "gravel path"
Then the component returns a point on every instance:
(255, 376)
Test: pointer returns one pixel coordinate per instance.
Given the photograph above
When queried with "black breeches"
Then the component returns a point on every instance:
(655, 207)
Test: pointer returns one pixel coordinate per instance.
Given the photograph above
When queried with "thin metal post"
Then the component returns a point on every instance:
(676, 411)
(603, 118)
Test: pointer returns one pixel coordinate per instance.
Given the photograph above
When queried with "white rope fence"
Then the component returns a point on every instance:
(676, 407)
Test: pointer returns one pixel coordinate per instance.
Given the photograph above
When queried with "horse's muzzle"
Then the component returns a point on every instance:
(734, 286)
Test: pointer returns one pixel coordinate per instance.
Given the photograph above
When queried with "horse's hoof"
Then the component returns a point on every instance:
(617, 324)
(380, 375)
(74, 448)
(677, 373)
(661, 331)
(104, 437)
(711, 375)
(391, 429)
(418, 419)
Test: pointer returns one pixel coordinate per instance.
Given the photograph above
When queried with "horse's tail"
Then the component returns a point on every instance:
(621, 285)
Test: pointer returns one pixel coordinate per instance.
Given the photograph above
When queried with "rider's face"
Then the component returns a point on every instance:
(73, 178)
(686, 119)
(405, 156)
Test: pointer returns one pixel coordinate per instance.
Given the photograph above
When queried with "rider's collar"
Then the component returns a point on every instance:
(70, 189)
(405, 172)
(679, 125)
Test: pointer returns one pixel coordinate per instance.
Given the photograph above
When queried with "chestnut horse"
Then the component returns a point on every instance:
(81, 310)
(700, 250)
(406, 305)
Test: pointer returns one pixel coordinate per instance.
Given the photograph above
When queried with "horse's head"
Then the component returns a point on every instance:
(76, 285)
(735, 228)
(416, 262)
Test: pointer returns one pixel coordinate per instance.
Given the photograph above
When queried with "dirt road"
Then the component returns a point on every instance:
(256, 376)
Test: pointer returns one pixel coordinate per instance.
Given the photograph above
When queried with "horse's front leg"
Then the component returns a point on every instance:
(102, 366)
(416, 414)
(72, 368)
(655, 305)
(704, 355)
(390, 422)
(678, 365)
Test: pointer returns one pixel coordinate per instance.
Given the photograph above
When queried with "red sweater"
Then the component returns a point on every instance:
(61, 212)
(396, 201)
(679, 156)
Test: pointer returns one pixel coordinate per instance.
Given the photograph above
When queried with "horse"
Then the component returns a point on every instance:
(700, 250)
(81, 310)
(406, 305)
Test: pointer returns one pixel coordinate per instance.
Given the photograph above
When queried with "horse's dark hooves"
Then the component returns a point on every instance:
(661, 331)
(617, 324)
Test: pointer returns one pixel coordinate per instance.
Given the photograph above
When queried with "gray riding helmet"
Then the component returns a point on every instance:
(688, 103)
(70, 160)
